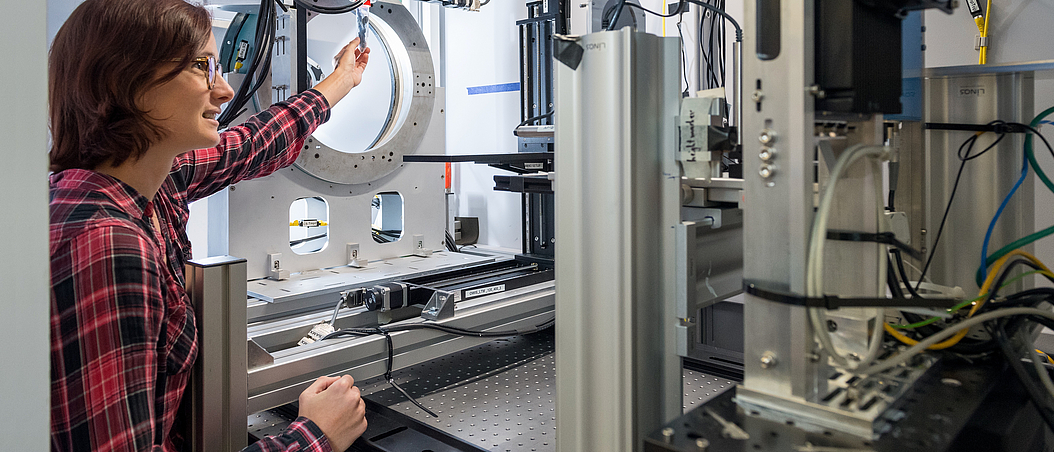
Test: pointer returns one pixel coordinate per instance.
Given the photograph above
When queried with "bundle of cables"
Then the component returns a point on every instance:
(388, 330)
(260, 64)
(1010, 320)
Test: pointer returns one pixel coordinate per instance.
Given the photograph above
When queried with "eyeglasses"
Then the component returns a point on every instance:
(211, 69)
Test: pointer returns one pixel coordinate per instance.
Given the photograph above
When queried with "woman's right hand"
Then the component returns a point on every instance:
(335, 405)
(351, 63)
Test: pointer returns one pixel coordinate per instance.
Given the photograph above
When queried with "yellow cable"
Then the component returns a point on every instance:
(984, 33)
(1049, 359)
(998, 265)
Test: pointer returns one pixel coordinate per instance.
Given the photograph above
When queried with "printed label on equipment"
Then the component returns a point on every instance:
(484, 291)
(535, 166)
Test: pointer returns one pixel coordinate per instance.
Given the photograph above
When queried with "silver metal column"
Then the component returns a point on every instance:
(217, 390)
(617, 200)
(777, 209)
(966, 95)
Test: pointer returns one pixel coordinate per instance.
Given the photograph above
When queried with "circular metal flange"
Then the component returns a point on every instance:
(414, 99)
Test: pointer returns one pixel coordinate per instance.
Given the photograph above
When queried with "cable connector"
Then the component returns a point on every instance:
(317, 333)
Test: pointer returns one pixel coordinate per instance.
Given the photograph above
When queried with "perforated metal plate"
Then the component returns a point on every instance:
(498, 396)
(700, 388)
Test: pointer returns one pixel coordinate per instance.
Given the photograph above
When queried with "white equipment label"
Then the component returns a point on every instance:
(484, 291)
(534, 166)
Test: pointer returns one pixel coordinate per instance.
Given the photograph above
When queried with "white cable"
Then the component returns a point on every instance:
(1041, 370)
(950, 331)
(814, 267)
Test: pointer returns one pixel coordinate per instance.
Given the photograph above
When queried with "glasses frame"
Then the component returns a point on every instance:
(213, 68)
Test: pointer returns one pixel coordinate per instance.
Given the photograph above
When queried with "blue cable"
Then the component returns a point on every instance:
(983, 271)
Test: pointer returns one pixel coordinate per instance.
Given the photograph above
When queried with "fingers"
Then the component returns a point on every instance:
(321, 384)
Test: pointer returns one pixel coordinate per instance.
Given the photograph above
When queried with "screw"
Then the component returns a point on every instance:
(817, 92)
(766, 171)
(767, 154)
(667, 434)
(768, 136)
(768, 360)
(831, 326)
(757, 96)
(702, 444)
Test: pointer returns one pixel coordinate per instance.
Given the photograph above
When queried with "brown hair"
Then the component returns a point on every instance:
(103, 59)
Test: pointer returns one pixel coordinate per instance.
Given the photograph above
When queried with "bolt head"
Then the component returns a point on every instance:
(767, 136)
(766, 171)
(768, 360)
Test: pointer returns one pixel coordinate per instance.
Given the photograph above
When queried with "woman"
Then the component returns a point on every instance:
(134, 92)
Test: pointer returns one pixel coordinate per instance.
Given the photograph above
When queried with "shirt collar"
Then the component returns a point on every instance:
(123, 195)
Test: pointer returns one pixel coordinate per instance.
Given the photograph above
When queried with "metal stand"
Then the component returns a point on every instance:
(617, 196)
(216, 395)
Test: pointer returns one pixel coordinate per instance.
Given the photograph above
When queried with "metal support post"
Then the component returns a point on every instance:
(216, 395)
(617, 198)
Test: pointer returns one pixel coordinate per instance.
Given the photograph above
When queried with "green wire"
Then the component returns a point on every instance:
(1046, 181)
(965, 303)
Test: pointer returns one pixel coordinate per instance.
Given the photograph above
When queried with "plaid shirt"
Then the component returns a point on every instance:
(123, 337)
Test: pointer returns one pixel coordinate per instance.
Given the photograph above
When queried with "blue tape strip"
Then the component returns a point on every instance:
(487, 89)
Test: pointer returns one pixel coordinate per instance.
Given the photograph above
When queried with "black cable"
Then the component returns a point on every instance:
(963, 158)
(1003, 275)
(391, 379)
(721, 43)
(1037, 395)
(707, 51)
(259, 65)
(616, 12)
(1035, 132)
(903, 274)
(536, 118)
(330, 9)
(386, 332)
(451, 245)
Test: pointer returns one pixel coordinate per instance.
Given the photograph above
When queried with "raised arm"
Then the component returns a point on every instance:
(271, 139)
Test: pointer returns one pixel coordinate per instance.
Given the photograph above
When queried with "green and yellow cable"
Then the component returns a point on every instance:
(966, 303)
(982, 296)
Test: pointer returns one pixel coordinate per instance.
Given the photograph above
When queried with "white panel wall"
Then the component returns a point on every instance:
(24, 376)
(483, 49)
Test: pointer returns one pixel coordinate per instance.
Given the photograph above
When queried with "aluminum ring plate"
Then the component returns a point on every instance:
(415, 99)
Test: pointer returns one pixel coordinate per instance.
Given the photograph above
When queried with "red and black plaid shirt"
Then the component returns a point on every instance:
(123, 338)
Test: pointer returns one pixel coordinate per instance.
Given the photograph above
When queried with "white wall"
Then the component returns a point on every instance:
(24, 375)
(482, 49)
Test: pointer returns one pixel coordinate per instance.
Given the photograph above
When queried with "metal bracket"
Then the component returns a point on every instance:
(440, 306)
(274, 267)
(354, 258)
(419, 246)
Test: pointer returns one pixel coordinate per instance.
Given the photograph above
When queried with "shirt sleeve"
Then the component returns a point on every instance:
(119, 309)
(301, 436)
(267, 142)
